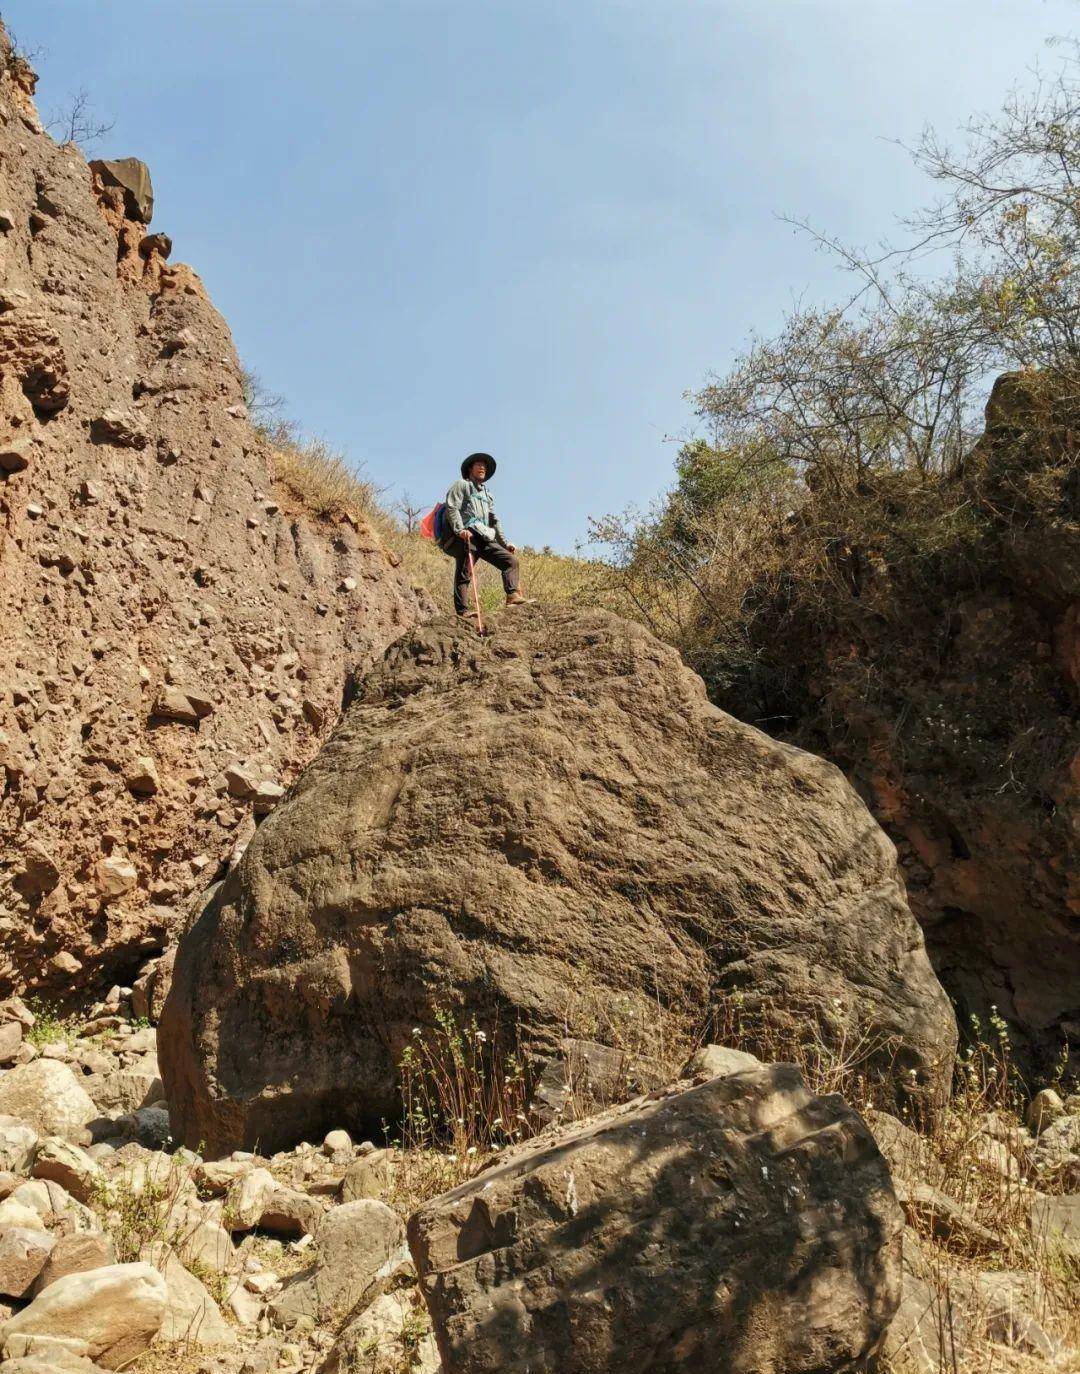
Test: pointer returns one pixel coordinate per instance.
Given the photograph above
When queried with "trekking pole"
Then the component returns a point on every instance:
(475, 592)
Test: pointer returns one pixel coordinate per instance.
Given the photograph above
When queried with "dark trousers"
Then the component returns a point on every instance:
(494, 554)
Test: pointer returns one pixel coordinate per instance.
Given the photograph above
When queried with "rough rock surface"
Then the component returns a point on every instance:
(617, 835)
(48, 1096)
(117, 1311)
(355, 1244)
(742, 1216)
(165, 613)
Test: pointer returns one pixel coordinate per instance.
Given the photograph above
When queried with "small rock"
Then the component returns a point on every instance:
(11, 1036)
(162, 245)
(121, 428)
(142, 778)
(369, 1176)
(248, 1198)
(262, 1283)
(288, 1212)
(267, 795)
(717, 1061)
(337, 1142)
(1044, 1108)
(240, 781)
(115, 875)
(130, 176)
(57, 1159)
(172, 703)
(218, 1175)
(245, 1306)
(17, 1143)
(24, 1252)
(353, 1243)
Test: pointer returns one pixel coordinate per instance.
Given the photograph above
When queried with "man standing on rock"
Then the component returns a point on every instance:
(472, 525)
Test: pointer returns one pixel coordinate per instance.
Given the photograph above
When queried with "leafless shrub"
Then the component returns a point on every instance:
(76, 125)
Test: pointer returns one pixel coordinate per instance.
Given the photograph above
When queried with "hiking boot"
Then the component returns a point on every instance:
(516, 599)
(466, 615)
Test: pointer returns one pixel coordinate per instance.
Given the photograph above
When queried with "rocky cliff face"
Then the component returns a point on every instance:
(526, 828)
(173, 636)
(953, 710)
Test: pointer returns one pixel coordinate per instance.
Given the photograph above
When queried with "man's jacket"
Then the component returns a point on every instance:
(470, 506)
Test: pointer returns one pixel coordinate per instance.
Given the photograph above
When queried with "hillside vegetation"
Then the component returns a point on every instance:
(851, 567)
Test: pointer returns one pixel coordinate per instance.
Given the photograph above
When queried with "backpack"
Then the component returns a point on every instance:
(433, 525)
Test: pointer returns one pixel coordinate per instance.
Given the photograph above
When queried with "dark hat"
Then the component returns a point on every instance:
(488, 461)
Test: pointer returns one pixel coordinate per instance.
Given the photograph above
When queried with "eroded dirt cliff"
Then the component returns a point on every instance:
(173, 637)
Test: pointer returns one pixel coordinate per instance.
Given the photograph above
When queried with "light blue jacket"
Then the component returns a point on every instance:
(469, 505)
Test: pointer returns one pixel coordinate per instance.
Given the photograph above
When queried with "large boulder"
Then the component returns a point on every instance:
(131, 177)
(740, 1225)
(117, 1311)
(527, 827)
(356, 1246)
(47, 1096)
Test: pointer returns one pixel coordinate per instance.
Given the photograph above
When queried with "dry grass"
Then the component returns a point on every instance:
(464, 1092)
(317, 476)
(458, 1097)
(171, 1357)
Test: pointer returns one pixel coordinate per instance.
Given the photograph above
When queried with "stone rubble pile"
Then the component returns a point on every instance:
(114, 1239)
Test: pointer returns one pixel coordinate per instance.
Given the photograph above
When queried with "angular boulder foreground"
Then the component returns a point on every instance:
(744, 1225)
(526, 828)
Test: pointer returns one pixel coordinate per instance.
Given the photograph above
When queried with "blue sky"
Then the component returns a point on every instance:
(526, 226)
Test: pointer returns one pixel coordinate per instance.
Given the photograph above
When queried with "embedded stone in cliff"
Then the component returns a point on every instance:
(131, 177)
(186, 705)
(124, 428)
(744, 1224)
(31, 352)
(525, 828)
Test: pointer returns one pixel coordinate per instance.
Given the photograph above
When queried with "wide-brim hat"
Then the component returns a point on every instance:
(472, 458)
